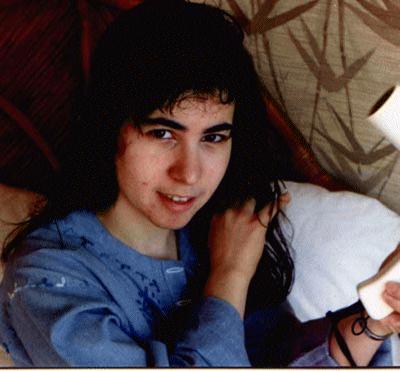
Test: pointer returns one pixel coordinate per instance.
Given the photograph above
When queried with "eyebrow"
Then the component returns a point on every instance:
(177, 126)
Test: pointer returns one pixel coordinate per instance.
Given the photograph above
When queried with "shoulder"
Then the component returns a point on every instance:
(71, 232)
(57, 250)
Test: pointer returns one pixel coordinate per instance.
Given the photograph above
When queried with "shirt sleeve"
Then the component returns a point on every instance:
(62, 322)
(311, 344)
(216, 337)
(318, 357)
(276, 338)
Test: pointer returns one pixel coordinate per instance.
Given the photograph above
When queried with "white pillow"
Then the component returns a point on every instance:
(340, 239)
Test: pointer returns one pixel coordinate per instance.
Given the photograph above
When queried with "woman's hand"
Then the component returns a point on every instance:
(362, 347)
(236, 243)
(237, 237)
(391, 323)
(391, 295)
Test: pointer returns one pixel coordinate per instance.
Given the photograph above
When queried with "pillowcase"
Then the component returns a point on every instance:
(339, 239)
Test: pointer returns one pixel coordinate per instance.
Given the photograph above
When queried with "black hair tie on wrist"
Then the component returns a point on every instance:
(362, 322)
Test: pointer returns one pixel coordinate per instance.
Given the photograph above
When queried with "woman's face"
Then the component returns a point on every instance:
(169, 167)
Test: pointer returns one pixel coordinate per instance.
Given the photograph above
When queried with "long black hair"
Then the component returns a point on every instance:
(151, 57)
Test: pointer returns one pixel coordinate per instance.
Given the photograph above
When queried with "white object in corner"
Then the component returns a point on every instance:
(385, 115)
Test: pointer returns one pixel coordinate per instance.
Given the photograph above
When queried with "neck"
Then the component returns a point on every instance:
(139, 233)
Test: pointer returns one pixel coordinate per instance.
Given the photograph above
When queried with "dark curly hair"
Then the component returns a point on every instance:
(152, 57)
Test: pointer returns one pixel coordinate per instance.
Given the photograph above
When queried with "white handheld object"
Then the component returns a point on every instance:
(385, 115)
(370, 291)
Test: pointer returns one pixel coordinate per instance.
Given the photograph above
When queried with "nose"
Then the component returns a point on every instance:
(186, 167)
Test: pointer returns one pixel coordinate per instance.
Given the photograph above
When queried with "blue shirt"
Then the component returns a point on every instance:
(77, 296)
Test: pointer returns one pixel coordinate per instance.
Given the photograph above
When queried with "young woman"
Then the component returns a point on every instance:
(158, 245)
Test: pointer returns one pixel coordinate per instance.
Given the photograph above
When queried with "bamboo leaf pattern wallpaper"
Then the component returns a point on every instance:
(326, 62)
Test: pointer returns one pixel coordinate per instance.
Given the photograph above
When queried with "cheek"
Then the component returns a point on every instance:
(216, 168)
(134, 170)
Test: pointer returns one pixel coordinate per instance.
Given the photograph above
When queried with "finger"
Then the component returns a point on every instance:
(391, 295)
(265, 215)
(284, 199)
(393, 289)
(249, 206)
(269, 211)
(391, 323)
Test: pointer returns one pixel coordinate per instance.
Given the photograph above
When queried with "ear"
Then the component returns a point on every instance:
(126, 135)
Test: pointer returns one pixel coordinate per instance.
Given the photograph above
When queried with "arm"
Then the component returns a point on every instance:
(75, 324)
(362, 347)
(235, 251)
(236, 244)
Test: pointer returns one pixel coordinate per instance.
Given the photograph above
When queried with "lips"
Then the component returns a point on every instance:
(179, 199)
(176, 203)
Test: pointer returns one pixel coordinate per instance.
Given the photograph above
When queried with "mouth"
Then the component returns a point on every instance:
(177, 203)
(179, 199)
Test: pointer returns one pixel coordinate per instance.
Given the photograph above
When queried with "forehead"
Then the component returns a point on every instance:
(198, 106)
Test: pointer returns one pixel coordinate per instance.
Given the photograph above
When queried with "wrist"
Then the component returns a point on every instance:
(225, 281)
(232, 273)
(229, 286)
(378, 328)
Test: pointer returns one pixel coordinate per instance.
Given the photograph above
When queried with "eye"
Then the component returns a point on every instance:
(215, 138)
(160, 134)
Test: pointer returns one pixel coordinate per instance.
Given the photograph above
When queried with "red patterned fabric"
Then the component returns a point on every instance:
(45, 50)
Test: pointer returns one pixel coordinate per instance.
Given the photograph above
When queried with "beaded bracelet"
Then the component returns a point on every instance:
(364, 329)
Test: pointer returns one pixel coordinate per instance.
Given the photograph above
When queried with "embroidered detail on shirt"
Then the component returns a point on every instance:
(85, 241)
(43, 283)
(142, 276)
(147, 291)
(154, 284)
(148, 303)
(62, 283)
(153, 314)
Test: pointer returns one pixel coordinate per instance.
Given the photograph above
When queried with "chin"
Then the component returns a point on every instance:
(177, 223)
